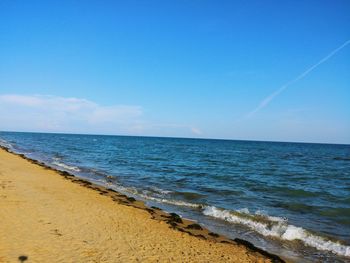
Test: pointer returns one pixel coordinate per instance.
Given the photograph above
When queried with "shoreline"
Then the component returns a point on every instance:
(172, 225)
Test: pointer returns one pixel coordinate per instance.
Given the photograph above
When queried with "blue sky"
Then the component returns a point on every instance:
(191, 68)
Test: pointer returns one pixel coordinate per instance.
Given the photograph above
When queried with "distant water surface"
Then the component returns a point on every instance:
(290, 198)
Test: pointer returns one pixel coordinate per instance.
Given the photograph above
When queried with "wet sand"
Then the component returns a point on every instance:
(52, 216)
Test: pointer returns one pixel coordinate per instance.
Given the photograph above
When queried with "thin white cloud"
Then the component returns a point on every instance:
(30, 101)
(76, 115)
(269, 98)
(196, 131)
(53, 113)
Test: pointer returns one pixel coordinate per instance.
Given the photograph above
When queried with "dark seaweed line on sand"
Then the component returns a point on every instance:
(173, 220)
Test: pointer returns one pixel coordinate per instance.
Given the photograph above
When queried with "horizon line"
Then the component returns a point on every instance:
(179, 137)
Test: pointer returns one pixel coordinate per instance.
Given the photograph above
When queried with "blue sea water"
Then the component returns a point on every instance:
(292, 199)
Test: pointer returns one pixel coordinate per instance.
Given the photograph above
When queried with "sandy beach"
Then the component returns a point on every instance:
(52, 216)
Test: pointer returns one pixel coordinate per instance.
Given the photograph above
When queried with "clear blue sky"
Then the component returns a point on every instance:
(191, 68)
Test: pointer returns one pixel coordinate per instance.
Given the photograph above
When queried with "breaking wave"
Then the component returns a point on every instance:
(171, 201)
(260, 222)
(160, 191)
(6, 144)
(276, 227)
(66, 166)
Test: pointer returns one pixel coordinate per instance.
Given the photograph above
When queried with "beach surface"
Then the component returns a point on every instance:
(52, 216)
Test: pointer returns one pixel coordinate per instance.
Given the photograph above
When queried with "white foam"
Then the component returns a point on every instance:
(160, 191)
(271, 218)
(244, 211)
(148, 196)
(171, 202)
(6, 144)
(144, 195)
(122, 189)
(278, 227)
(66, 166)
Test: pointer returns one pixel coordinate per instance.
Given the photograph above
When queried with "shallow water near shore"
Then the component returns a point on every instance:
(292, 199)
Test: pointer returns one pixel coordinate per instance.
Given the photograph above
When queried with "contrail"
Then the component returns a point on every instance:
(269, 98)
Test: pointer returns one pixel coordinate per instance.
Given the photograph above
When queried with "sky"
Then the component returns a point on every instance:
(246, 70)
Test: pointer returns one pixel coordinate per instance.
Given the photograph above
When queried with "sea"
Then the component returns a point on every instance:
(291, 199)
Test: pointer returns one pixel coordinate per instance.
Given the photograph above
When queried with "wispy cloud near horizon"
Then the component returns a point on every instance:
(47, 113)
(62, 114)
(269, 98)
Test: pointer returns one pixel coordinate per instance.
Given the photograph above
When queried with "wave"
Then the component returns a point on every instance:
(158, 195)
(260, 222)
(66, 166)
(6, 144)
(160, 191)
(152, 196)
(99, 173)
(171, 201)
(276, 227)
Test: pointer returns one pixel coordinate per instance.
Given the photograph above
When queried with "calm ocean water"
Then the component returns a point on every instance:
(292, 199)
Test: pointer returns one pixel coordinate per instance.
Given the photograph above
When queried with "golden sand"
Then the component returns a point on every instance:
(49, 216)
